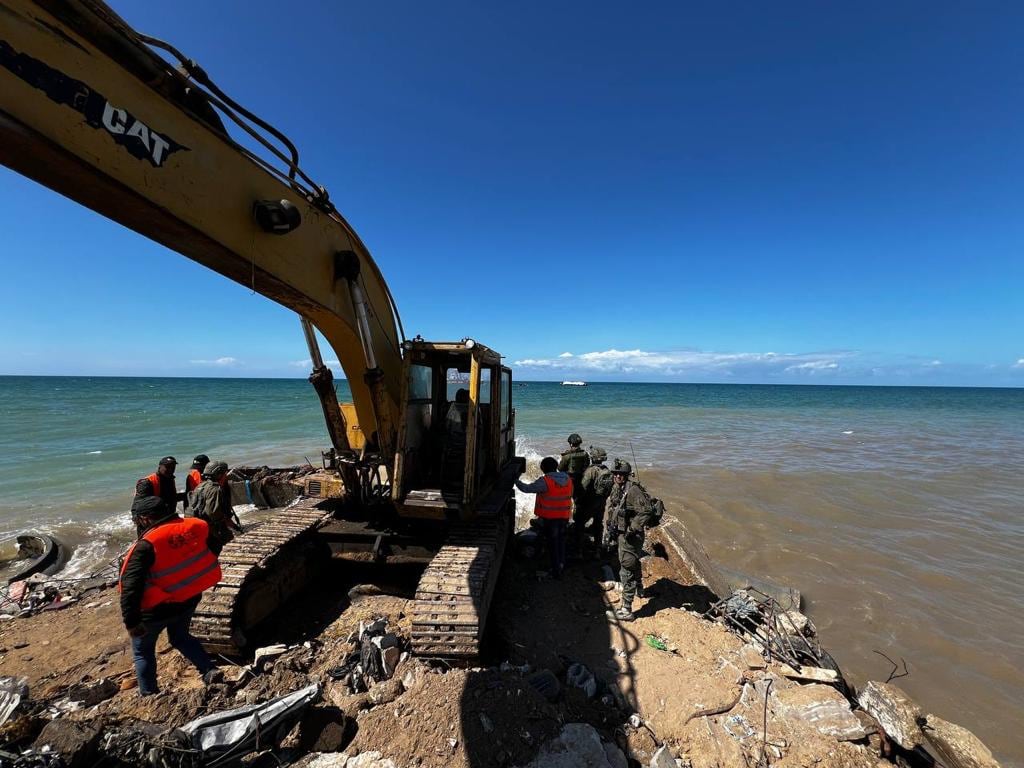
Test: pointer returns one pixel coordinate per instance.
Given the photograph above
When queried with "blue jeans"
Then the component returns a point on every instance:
(554, 532)
(144, 649)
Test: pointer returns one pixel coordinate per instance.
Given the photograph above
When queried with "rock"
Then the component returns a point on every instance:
(414, 676)
(75, 742)
(663, 759)
(265, 654)
(640, 745)
(794, 623)
(896, 712)
(327, 760)
(485, 723)
(369, 760)
(822, 707)
(390, 658)
(576, 746)
(955, 746)
(128, 683)
(616, 757)
(94, 692)
(751, 657)
(385, 692)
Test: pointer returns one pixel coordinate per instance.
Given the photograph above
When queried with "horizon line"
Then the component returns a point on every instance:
(522, 381)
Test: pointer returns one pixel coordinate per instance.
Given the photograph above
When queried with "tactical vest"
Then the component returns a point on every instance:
(556, 502)
(577, 460)
(183, 566)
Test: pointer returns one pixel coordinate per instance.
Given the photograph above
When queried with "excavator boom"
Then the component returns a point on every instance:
(91, 111)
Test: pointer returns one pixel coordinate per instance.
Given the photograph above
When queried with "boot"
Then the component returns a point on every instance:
(624, 612)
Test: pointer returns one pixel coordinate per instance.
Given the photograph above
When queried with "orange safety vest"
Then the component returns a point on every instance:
(556, 502)
(154, 480)
(184, 565)
(192, 480)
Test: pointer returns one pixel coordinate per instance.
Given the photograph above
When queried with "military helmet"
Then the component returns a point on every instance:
(201, 460)
(598, 454)
(215, 469)
(622, 468)
(575, 439)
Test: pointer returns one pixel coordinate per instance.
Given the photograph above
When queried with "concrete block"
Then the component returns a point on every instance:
(822, 707)
(955, 746)
(897, 713)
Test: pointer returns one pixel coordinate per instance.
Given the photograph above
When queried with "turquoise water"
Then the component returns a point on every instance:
(899, 512)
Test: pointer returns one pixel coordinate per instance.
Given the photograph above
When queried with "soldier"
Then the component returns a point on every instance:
(596, 485)
(212, 502)
(575, 462)
(629, 513)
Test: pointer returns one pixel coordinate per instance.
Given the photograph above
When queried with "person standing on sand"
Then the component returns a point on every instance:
(195, 477)
(629, 514)
(161, 582)
(554, 507)
(212, 502)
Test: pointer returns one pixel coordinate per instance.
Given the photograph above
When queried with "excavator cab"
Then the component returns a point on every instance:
(456, 438)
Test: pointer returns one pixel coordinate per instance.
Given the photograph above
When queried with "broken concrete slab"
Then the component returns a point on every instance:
(895, 711)
(663, 759)
(794, 623)
(822, 707)
(752, 657)
(75, 742)
(578, 745)
(94, 692)
(812, 674)
(955, 746)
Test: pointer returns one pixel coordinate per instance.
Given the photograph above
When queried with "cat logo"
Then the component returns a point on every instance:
(139, 139)
(135, 136)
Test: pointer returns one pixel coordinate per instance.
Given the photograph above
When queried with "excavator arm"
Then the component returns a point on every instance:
(89, 109)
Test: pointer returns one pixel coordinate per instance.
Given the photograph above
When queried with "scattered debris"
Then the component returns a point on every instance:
(228, 735)
(579, 676)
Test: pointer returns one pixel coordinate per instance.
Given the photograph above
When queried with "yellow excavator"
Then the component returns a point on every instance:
(422, 460)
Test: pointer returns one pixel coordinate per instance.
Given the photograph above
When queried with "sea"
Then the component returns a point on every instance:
(898, 512)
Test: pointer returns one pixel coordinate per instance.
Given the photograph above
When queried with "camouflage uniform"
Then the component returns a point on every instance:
(212, 502)
(594, 489)
(629, 511)
(575, 462)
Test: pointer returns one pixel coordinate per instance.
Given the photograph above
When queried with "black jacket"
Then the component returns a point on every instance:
(133, 584)
(168, 491)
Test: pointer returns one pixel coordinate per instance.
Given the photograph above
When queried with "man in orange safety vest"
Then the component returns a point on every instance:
(554, 507)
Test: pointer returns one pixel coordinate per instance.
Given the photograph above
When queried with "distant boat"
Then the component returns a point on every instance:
(574, 383)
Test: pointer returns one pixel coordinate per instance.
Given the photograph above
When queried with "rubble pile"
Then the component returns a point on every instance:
(563, 684)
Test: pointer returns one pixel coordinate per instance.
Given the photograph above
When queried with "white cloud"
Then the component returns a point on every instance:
(639, 361)
(223, 362)
(1018, 364)
(308, 364)
(814, 366)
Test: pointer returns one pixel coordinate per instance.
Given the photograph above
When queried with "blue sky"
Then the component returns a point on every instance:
(794, 192)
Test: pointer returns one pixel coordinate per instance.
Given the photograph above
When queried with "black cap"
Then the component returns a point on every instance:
(202, 458)
(152, 507)
(168, 460)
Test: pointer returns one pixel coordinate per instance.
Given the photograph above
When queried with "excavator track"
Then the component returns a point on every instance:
(248, 564)
(455, 591)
